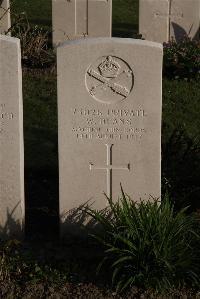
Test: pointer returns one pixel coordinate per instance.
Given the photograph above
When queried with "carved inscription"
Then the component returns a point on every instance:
(5, 117)
(168, 15)
(110, 124)
(109, 80)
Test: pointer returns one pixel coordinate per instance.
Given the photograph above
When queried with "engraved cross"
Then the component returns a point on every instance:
(109, 168)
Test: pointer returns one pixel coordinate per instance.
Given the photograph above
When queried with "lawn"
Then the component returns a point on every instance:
(181, 111)
(37, 11)
(125, 14)
(50, 266)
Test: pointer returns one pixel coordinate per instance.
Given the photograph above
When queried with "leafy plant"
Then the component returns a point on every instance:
(182, 59)
(148, 245)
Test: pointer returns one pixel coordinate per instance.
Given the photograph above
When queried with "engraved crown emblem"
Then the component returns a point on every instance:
(109, 68)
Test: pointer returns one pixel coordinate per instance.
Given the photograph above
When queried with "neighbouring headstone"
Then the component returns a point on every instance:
(109, 114)
(74, 19)
(5, 22)
(154, 20)
(185, 19)
(162, 20)
(11, 139)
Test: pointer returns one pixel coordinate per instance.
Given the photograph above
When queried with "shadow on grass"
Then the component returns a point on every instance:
(77, 224)
(42, 204)
(181, 170)
(125, 30)
(12, 228)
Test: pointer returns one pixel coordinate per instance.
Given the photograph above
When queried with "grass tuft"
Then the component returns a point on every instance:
(148, 245)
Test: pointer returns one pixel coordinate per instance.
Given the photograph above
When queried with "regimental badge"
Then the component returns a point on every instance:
(109, 68)
(109, 80)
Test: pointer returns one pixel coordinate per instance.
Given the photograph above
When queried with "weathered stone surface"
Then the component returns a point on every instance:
(81, 18)
(185, 19)
(5, 22)
(11, 138)
(109, 110)
(161, 20)
(154, 20)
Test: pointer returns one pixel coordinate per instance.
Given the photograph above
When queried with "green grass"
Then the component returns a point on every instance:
(180, 98)
(39, 12)
(40, 121)
(180, 135)
(181, 107)
(181, 112)
(125, 17)
(180, 156)
(181, 142)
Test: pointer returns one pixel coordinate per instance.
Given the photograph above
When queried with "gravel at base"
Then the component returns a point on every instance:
(80, 291)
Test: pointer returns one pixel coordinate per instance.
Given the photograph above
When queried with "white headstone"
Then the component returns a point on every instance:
(73, 19)
(109, 111)
(154, 20)
(161, 20)
(11, 138)
(5, 22)
(185, 19)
